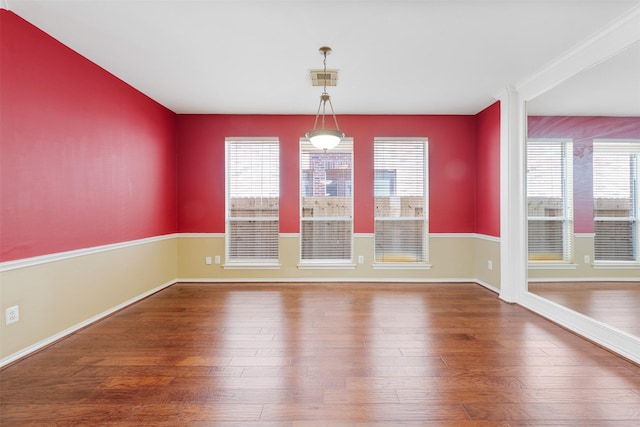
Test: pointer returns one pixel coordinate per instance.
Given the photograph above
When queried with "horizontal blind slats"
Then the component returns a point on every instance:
(615, 194)
(544, 179)
(256, 240)
(326, 186)
(400, 181)
(326, 240)
(549, 200)
(253, 202)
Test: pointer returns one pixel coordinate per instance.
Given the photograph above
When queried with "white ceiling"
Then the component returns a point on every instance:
(254, 57)
(610, 88)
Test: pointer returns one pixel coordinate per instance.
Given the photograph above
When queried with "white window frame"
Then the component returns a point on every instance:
(408, 264)
(346, 145)
(250, 262)
(631, 147)
(566, 218)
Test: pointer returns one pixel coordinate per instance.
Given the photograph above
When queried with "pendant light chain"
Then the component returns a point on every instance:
(324, 89)
(324, 71)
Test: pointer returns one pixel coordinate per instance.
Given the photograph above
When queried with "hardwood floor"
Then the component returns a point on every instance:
(308, 355)
(614, 303)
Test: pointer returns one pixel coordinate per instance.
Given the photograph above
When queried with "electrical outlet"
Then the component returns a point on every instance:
(587, 259)
(360, 259)
(217, 259)
(490, 265)
(12, 315)
(207, 260)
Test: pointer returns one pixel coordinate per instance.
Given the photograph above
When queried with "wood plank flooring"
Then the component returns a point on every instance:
(307, 355)
(614, 303)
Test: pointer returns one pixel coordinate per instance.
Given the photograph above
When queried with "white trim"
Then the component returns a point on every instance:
(612, 265)
(48, 341)
(551, 140)
(400, 266)
(616, 340)
(453, 235)
(319, 265)
(364, 235)
(327, 218)
(290, 235)
(200, 235)
(250, 139)
(592, 51)
(626, 145)
(251, 266)
(345, 280)
(488, 286)
(487, 237)
(59, 256)
(465, 236)
(356, 235)
(400, 138)
(552, 266)
(582, 279)
(513, 204)
(584, 235)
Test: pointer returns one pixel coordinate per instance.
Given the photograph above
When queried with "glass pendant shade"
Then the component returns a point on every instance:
(325, 139)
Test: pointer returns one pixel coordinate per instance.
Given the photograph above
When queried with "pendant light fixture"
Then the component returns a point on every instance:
(322, 137)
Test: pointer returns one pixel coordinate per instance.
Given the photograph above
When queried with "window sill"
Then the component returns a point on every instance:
(251, 266)
(401, 266)
(552, 266)
(326, 266)
(616, 265)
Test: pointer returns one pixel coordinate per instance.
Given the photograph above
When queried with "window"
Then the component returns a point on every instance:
(616, 210)
(252, 200)
(550, 200)
(400, 190)
(326, 203)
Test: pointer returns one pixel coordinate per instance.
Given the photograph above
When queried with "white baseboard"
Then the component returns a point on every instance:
(488, 286)
(50, 340)
(618, 341)
(330, 280)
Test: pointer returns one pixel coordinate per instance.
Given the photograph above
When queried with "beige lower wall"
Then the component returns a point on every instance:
(451, 258)
(580, 270)
(58, 295)
(487, 261)
(62, 293)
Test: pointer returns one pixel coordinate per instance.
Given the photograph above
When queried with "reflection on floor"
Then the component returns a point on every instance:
(614, 303)
(310, 355)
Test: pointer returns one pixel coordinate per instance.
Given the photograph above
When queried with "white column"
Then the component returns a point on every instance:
(513, 214)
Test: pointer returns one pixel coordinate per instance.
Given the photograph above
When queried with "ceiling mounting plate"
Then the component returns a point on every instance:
(324, 78)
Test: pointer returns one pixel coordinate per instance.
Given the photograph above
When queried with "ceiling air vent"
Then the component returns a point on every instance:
(319, 77)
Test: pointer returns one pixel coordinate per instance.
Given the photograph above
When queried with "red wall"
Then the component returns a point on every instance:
(85, 159)
(583, 130)
(488, 176)
(452, 156)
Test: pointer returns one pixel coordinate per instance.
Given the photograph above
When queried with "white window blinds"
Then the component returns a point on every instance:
(326, 203)
(252, 200)
(400, 190)
(550, 200)
(615, 195)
